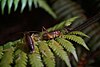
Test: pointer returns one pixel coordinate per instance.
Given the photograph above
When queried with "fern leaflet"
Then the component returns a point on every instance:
(1, 51)
(69, 21)
(62, 24)
(30, 4)
(8, 45)
(35, 58)
(24, 2)
(16, 4)
(77, 39)
(7, 58)
(47, 55)
(45, 6)
(35, 3)
(20, 58)
(10, 2)
(3, 4)
(78, 33)
(68, 46)
(59, 51)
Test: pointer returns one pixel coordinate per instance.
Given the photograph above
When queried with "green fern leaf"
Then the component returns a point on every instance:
(35, 58)
(3, 4)
(62, 24)
(16, 4)
(47, 55)
(30, 4)
(17, 43)
(20, 58)
(35, 3)
(40, 3)
(7, 58)
(69, 21)
(24, 2)
(78, 33)
(68, 46)
(77, 39)
(56, 27)
(1, 51)
(10, 2)
(8, 45)
(59, 51)
(45, 6)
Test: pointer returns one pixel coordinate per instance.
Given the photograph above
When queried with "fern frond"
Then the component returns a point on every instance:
(1, 51)
(68, 46)
(20, 58)
(58, 50)
(62, 24)
(10, 2)
(45, 6)
(7, 58)
(77, 39)
(78, 33)
(40, 3)
(47, 55)
(35, 58)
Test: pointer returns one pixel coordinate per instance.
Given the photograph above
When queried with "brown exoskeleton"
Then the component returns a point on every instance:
(50, 35)
(29, 39)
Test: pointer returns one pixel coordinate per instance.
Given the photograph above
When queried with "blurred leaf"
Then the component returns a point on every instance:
(3, 4)
(35, 3)
(30, 4)
(46, 7)
(10, 2)
(23, 2)
(16, 2)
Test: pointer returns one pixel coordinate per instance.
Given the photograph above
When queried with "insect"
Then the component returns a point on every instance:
(50, 35)
(29, 41)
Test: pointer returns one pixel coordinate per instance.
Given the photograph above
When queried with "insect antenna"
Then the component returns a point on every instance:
(89, 22)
